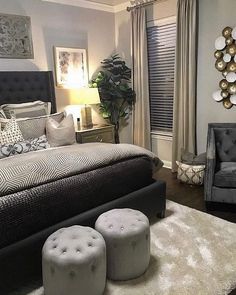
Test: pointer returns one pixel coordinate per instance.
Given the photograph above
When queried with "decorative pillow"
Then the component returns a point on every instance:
(2, 115)
(191, 159)
(63, 133)
(191, 174)
(26, 110)
(34, 127)
(21, 147)
(11, 132)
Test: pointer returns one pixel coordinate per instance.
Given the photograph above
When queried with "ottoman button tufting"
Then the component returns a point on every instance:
(126, 233)
(74, 262)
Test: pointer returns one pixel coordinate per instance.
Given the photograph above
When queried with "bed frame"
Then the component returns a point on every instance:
(16, 259)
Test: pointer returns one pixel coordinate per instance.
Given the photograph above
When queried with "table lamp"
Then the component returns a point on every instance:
(86, 97)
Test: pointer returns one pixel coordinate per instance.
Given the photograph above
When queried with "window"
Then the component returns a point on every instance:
(161, 60)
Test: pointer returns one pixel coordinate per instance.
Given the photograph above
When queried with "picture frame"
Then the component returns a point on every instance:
(15, 37)
(71, 67)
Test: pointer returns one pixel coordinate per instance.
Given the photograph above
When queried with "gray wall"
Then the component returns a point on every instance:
(213, 17)
(66, 26)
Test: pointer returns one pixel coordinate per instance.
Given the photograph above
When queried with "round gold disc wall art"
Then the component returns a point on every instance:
(225, 63)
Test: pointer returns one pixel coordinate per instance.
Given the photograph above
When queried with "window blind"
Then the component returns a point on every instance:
(161, 60)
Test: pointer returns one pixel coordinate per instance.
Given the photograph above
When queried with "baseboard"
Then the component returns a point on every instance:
(167, 164)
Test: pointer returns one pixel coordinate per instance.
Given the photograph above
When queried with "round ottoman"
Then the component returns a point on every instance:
(74, 262)
(127, 236)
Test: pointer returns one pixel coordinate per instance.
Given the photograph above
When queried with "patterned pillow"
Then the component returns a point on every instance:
(21, 147)
(26, 110)
(11, 132)
(191, 174)
(2, 115)
(34, 127)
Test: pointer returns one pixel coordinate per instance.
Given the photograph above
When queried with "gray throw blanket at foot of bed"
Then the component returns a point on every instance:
(31, 169)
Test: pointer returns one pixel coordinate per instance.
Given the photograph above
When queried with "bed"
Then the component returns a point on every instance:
(31, 212)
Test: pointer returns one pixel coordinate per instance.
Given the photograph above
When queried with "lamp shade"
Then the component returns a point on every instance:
(87, 95)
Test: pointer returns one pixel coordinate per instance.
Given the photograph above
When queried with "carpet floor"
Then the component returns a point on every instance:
(192, 253)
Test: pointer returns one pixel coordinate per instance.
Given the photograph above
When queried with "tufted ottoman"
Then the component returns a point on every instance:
(127, 236)
(74, 262)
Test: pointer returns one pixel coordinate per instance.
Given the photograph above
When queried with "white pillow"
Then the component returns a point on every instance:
(11, 133)
(27, 109)
(62, 133)
(191, 174)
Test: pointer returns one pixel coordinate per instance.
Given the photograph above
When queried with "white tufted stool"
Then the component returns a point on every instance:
(74, 262)
(127, 236)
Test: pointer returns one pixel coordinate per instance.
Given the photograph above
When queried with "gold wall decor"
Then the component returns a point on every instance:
(225, 63)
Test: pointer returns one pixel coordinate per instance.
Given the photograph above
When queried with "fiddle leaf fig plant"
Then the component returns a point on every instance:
(117, 97)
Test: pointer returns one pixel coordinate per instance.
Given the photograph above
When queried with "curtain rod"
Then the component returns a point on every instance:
(129, 8)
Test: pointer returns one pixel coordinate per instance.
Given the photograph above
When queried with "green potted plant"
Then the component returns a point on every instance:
(117, 97)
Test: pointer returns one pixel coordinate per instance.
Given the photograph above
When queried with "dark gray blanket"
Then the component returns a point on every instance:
(28, 170)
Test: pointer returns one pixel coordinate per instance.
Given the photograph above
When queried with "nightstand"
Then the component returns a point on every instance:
(99, 133)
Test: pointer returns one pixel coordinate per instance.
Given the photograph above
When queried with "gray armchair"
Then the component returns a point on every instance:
(220, 174)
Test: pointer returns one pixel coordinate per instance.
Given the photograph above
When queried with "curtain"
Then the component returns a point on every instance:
(184, 122)
(141, 111)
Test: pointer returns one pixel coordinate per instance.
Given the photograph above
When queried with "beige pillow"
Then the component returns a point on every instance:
(33, 127)
(62, 133)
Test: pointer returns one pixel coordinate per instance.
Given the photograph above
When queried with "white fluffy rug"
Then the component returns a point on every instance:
(192, 253)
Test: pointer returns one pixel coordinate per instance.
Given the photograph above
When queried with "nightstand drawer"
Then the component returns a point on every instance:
(103, 134)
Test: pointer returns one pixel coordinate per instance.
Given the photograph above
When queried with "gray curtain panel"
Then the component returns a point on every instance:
(184, 123)
(141, 112)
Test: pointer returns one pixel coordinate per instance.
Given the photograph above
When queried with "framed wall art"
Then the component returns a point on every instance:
(15, 36)
(71, 67)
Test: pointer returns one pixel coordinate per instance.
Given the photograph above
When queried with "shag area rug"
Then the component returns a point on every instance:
(192, 253)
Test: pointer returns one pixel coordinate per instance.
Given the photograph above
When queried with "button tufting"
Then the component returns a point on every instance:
(72, 274)
(90, 244)
(64, 250)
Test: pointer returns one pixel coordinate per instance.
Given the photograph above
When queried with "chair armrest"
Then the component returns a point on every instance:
(210, 164)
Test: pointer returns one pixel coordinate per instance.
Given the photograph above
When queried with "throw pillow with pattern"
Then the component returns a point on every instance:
(11, 133)
(11, 149)
(190, 174)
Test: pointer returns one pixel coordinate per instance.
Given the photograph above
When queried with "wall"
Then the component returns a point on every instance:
(213, 17)
(62, 25)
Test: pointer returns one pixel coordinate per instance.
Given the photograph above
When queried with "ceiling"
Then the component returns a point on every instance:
(109, 2)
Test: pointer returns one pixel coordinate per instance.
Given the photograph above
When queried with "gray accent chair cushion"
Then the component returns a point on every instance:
(226, 175)
(74, 262)
(127, 236)
(220, 173)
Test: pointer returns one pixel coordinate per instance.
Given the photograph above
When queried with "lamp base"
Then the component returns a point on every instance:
(86, 117)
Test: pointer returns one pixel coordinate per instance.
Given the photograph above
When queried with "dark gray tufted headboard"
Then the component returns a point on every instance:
(18, 87)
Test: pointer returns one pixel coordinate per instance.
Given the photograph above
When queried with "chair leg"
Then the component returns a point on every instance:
(161, 214)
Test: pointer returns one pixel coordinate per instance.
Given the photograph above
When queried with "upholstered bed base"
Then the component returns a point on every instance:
(26, 212)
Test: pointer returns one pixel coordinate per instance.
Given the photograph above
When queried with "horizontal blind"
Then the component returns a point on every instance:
(161, 61)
